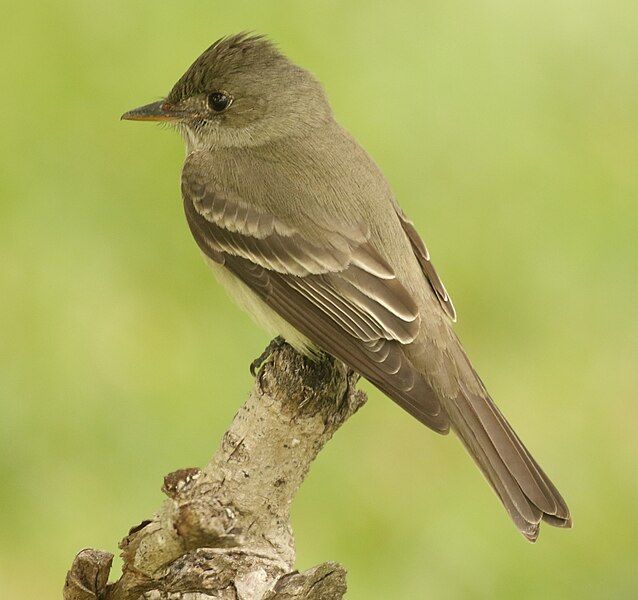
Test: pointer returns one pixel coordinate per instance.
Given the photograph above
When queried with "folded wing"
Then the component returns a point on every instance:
(335, 288)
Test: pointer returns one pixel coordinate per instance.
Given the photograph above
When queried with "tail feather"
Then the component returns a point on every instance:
(562, 516)
(526, 492)
(526, 525)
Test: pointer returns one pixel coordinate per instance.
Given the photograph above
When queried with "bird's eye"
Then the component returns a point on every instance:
(219, 101)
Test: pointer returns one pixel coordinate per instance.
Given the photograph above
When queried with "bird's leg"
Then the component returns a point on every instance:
(264, 357)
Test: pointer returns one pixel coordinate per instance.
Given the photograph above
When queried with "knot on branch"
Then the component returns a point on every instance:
(207, 522)
(179, 481)
(88, 576)
(325, 582)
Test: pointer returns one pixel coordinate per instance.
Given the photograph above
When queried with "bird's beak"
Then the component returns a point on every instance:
(156, 111)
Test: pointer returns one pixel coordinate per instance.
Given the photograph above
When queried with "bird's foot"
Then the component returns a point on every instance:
(266, 355)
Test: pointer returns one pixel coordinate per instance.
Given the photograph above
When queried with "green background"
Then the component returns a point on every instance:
(509, 131)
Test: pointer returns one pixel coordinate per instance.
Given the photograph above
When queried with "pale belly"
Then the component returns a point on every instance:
(260, 312)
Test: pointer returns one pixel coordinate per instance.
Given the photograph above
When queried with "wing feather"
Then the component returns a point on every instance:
(423, 256)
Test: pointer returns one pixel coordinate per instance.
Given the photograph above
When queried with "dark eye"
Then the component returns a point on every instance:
(219, 101)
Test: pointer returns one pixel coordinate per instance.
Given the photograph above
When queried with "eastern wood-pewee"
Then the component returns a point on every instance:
(299, 225)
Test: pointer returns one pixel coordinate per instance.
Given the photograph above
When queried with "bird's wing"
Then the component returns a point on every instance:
(423, 256)
(338, 290)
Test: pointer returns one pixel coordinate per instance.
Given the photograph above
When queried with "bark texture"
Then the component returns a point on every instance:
(224, 532)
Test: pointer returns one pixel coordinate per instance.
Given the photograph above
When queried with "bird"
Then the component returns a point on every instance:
(300, 226)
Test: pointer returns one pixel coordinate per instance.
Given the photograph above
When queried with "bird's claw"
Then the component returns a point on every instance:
(264, 357)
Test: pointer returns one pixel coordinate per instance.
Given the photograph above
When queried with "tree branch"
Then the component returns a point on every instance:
(224, 532)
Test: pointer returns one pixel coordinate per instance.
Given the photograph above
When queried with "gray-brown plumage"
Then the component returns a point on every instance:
(302, 229)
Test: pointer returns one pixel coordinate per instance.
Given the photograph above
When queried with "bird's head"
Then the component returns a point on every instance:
(240, 92)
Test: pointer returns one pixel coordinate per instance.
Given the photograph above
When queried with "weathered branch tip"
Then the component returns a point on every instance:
(224, 532)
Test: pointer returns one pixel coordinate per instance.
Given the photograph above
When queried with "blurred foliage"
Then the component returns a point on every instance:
(509, 131)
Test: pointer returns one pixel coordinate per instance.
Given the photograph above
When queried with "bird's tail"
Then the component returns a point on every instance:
(526, 492)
